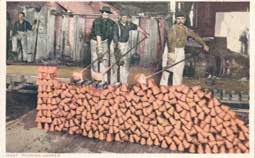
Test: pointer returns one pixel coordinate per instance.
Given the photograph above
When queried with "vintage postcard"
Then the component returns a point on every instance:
(103, 78)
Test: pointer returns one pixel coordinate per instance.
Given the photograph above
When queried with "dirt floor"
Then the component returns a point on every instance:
(18, 104)
(66, 72)
(23, 136)
(63, 72)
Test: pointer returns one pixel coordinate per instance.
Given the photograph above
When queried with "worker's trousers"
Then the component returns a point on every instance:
(177, 69)
(102, 64)
(26, 52)
(123, 46)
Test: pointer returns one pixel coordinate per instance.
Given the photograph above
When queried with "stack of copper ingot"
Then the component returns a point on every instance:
(46, 79)
(175, 117)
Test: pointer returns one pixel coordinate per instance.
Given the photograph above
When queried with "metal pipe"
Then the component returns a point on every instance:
(167, 67)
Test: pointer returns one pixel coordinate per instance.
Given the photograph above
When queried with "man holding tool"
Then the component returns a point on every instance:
(177, 38)
(101, 36)
(20, 34)
(119, 46)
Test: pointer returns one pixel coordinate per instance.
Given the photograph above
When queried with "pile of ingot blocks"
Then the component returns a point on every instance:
(175, 117)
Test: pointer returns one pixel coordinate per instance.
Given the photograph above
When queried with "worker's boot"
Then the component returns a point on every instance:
(102, 85)
(86, 82)
(95, 83)
(117, 84)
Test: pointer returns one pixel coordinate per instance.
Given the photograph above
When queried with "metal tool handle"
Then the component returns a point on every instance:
(110, 67)
(94, 61)
(167, 67)
(130, 50)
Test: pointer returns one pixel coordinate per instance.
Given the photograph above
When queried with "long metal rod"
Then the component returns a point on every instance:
(127, 52)
(94, 61)
(167, 67)
(116, 61)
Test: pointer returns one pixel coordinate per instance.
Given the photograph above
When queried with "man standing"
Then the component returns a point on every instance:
(20, 35)
(101, 36)
(177, 38)
(119, 46)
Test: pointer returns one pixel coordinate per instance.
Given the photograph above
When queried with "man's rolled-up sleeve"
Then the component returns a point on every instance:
(196, 37)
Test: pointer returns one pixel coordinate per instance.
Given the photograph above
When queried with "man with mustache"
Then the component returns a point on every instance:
(177, 38)
(101, 36)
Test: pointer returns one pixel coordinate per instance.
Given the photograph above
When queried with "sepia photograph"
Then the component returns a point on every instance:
(127, 77)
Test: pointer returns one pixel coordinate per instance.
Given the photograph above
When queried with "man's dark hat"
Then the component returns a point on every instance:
(106, 9)
(124, 12)
(179, 14)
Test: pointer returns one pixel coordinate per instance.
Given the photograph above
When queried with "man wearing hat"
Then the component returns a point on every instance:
(101, 36)
(174, 52)
(119, 46)
(20, 35)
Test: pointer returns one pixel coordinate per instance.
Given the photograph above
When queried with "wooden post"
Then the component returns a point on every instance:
(51, 33)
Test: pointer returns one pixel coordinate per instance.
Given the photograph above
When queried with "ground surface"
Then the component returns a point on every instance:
(23, 136)
(66, 72)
